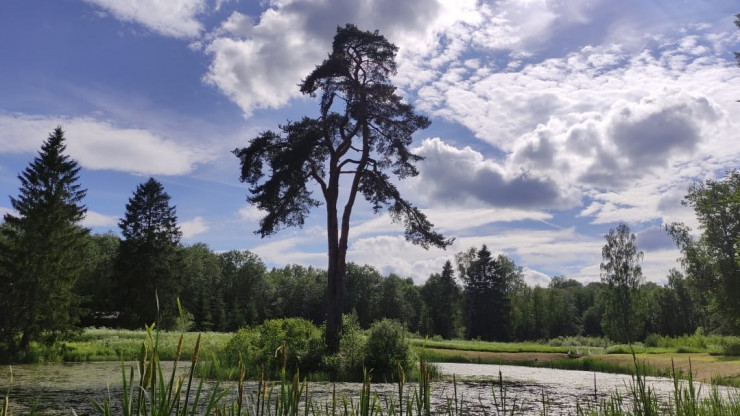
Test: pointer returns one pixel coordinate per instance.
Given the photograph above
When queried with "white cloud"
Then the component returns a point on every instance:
(621, 128)
(175, 18)
(193, 227)
(98, 144)
(460, 176)
(250, 213)
(259, 64)
(96, 219)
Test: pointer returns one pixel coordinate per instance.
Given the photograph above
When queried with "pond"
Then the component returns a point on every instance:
(60, 388)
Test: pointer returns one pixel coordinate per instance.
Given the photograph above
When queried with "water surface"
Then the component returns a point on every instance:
(60, 388)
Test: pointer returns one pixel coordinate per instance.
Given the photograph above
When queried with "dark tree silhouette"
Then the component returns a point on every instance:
(363, 133)
(42, 248)
(147, 257)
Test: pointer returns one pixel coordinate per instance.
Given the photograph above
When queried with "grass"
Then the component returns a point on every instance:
(581, 364)
(487, 346)
(95, 344)
(654, 344)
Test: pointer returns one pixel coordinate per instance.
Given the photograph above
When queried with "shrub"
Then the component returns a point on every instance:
(652, 340)
(731, 346)
(386, 348)
(304, 346)
(348, 363)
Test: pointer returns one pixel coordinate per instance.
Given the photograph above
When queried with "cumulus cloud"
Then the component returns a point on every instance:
(193, 227)
(453, 175)
(250, 213)
(175, 18)
(258, 62)
(543, 252)
(98, 144)
(96, 219)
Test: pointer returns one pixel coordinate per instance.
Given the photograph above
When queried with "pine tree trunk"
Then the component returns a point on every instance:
(335, 299)
(335, 276)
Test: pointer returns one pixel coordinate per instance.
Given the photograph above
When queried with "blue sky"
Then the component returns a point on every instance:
(552, 121)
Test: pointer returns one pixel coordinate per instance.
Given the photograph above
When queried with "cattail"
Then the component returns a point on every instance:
(178, 352)
(195, 352)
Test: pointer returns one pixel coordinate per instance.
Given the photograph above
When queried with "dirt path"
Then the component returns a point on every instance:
(704, 367)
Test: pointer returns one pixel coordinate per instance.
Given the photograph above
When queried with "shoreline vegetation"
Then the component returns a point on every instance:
(148, 389)
(706, 354)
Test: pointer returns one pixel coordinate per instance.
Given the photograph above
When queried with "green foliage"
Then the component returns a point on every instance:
(293, 343)
(147, 263)
(349, 362)
(711, 260)
(489, 286)
(621, 271)
(96, 286)
(443, 304)
(386, 348)
(731, 347)
(41, 251)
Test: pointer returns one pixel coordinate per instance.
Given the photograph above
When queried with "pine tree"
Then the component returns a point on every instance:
(361, 140)
(42, 248)
(148, 258)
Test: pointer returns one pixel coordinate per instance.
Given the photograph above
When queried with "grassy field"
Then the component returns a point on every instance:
(115, 344)
(702, 356)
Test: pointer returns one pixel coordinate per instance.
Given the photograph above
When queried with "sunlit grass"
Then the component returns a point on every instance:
(95, 344)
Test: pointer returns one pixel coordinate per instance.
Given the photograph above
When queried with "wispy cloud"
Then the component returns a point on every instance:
(100, 145)
(175, 18)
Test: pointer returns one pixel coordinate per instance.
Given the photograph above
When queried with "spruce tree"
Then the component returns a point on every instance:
(42, 249)
(489, 285)
(148, 258)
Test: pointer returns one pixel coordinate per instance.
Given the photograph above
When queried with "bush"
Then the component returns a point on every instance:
(386, 348)
(731, 347)
(304, 346)
(652, 340)
(348, 363)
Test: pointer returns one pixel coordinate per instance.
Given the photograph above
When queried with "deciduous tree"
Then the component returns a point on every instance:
(360, 138)
(42, 248)
(622, 272)
(711, 260)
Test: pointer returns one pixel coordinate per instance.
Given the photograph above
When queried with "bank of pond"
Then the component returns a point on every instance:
(169, 373)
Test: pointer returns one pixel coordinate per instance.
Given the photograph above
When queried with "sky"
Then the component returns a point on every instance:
(552, 121)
